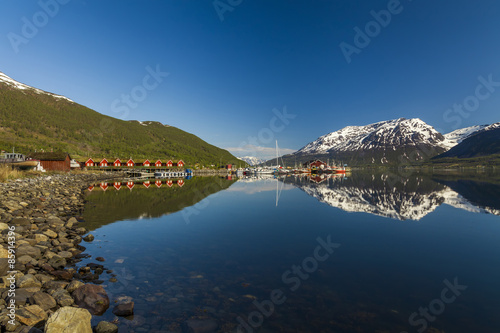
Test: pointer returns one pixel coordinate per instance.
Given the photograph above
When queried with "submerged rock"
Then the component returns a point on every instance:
(106, 327)
(201, 326)
(124, 309)
(92, 298)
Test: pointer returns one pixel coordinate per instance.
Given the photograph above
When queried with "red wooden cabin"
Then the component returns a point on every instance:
(89, 163)
(57, 161)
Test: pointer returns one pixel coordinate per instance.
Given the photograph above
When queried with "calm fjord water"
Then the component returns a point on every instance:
(364, 253)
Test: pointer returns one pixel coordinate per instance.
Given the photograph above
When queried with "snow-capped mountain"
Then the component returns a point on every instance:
(492, 127)
(459, 135)
(21, 86)
(479, 144)
(390, 141)
(384, 134)
(252, 160)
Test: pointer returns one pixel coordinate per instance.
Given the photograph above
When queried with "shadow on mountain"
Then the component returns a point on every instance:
(397, 195)
(111, 205)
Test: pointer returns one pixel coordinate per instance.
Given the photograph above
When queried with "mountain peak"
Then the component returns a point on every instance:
(384, 134)
(252, 160)
(7, 80)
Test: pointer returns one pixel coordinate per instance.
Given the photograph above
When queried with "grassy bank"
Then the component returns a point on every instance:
(7, 172)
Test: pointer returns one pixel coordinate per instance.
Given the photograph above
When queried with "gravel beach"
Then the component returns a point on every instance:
(41, 243)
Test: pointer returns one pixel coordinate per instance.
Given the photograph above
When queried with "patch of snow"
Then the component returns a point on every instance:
(455, 137)
(252, 160)
(21, 86)
(384, 134)
(492, 126)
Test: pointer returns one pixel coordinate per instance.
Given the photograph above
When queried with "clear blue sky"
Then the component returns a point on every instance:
(226, 76)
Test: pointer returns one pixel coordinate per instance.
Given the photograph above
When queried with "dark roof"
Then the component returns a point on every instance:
(49, 156)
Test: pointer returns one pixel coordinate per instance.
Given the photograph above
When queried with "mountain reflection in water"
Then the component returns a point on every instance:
(236, 249)
(402, 197)
(130, 200)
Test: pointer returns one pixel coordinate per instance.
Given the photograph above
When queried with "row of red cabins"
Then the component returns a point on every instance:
(130, 163)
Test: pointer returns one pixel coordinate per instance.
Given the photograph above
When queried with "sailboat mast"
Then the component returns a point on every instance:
(277, 163)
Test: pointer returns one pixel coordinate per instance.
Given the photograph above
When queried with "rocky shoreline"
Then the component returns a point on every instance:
(42, 288)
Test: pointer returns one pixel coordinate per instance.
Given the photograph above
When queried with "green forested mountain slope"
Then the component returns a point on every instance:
(32, 121)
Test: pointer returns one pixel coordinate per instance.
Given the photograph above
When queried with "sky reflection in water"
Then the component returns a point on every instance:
(224, 246)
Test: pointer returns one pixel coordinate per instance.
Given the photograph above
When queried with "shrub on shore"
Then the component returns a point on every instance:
(8, 172)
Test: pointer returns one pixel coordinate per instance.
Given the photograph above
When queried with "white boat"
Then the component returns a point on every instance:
(172, 174)
(265, 170)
